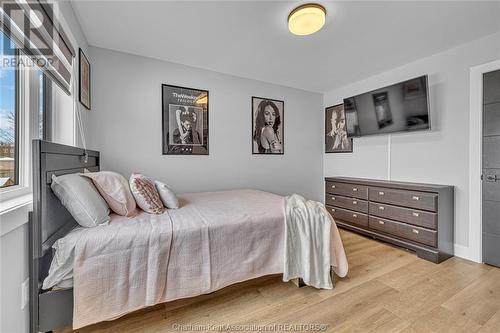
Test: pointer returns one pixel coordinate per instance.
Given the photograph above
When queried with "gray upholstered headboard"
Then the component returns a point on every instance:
(50, 221)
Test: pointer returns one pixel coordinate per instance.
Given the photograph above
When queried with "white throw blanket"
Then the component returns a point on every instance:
(309, 231)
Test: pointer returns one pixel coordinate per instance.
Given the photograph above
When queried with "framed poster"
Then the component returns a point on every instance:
(184, 121)
(267, 126)
(84, 79)
(336, 140)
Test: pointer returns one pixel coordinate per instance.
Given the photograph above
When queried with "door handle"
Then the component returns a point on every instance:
(491, 178)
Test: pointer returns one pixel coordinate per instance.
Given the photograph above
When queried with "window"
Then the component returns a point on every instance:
(9, 115)
(25, 114)
(30, 53)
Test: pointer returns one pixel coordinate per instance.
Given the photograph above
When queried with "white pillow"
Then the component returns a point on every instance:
(167, 196)
(80, 197)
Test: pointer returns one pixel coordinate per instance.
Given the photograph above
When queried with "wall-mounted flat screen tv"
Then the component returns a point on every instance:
(401, 107)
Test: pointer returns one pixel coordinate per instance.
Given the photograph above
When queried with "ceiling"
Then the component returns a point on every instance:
(250, 38)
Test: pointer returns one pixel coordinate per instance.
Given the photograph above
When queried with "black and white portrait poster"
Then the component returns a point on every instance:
(267, 126)
(336, 140)
(185, 121)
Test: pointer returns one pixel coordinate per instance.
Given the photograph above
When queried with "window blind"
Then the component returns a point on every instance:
(32, 25)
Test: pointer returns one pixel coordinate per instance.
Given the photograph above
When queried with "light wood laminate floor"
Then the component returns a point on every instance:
(387, 290)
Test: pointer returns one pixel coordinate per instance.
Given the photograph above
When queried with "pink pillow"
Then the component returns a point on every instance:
(145, 194)
(115, 190)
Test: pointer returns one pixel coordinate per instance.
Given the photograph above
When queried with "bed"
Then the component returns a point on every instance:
(131, 259)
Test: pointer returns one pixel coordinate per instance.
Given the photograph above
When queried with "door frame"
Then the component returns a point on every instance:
(475, 158)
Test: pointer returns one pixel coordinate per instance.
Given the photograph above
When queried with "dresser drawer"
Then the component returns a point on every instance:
(403, 230)
(349, 216)
(348, 190)
(417, 217)
(347, 203)
(419, 200)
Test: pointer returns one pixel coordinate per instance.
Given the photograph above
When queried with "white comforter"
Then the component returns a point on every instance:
(215, 239)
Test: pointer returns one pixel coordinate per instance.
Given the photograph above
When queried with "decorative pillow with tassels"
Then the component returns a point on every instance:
(145, 194)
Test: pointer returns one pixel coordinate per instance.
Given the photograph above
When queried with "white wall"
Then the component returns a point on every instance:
(14, 239)
(439, 156)
(65, 127)
(15, 270)
(125, 126)
(63, 118)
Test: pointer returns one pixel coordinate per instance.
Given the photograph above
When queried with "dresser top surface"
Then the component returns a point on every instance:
(391, 184)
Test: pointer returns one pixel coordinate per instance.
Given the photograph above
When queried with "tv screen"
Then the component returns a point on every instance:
(401, 107)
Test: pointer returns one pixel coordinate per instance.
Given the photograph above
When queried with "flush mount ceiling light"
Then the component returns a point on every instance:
(306, 19)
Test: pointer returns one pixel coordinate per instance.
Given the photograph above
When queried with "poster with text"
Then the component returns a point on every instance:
(184, 120)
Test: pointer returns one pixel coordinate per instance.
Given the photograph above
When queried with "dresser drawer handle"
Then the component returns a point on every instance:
(415, 198)
(333, 210)
(355, 202)
(415, 231)
(354, 215)
(381, 207)
(333, 186)
(381, 193)
(381, 222)
(355, 189)
(415, 214)
(333, 198)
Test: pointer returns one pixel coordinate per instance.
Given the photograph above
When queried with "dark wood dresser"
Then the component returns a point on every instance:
(419, 217)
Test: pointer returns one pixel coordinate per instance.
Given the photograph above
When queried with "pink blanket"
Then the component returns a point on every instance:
(215, 239)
